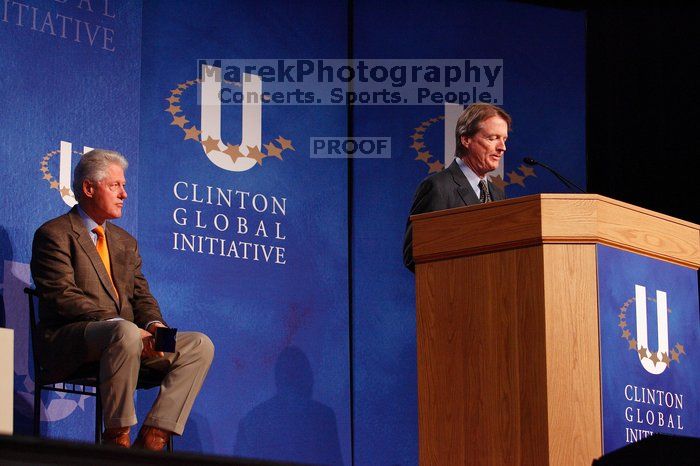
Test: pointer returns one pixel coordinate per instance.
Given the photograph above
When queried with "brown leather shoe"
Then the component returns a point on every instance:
(152, 438)
(118, 436)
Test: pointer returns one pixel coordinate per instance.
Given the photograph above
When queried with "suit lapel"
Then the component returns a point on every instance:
(496, 194)
(90, 250)
(464, 190)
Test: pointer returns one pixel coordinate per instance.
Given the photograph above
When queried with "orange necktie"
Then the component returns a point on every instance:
(103, 251)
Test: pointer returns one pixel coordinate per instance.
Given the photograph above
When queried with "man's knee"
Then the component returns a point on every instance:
(127, 336)
(204, 346)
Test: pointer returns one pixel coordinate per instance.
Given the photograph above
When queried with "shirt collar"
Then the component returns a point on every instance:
(89, 223)
(472, 177)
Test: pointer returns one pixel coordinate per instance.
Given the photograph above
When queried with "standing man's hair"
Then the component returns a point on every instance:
(469, 122)
(93, 167)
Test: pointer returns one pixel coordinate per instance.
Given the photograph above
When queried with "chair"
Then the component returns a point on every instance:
(85, 381)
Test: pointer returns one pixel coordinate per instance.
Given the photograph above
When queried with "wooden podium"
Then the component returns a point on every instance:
(507, 324)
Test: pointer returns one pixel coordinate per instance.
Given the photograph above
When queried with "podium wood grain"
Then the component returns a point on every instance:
(507, 324)
(555, 219)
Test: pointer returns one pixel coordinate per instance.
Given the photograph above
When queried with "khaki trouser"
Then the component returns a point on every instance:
(117, 346)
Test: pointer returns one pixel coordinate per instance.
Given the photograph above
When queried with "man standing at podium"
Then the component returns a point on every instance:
(481, 134)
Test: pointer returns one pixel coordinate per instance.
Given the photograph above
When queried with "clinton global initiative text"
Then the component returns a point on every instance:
(243, 250)
(229, 223)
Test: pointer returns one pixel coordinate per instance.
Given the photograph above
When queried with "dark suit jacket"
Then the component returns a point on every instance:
(443, 190)
(74, 288)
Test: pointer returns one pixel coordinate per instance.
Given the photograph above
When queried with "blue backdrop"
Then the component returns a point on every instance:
(315, 358)
(73, 81)
(254, 311)
(543, 62)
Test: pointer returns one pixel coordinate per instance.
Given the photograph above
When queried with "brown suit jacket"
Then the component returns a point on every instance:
(74, 288)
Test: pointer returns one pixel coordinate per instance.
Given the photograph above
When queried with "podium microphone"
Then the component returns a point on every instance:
(568, 183)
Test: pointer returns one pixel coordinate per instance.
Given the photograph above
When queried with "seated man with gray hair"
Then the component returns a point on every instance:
(95, 306)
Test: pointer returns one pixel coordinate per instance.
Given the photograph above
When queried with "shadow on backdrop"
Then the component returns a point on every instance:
(291, 426)
(198, 435)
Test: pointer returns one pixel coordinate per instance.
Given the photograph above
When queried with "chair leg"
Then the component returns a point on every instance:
(98, 416)
(170, 443)
(37, 410)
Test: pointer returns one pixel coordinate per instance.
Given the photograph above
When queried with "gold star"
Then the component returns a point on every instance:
(182, 86)
(664, 358)
(680, 348)
(626, 334)
(43, 169)
(285, 143)
(417, 136)
(420, 129)
(435, 166)
(642, 352)
(622, 324)
(44, 163)
(654, 358)
(621, 315)
(433, 120)
(527, 171)
(514, 178)
(633, 344)
(47, 176)
(180, 121)
(176, 91)
(273, 150)
(254, 153)
(54, 185)
(210, 144)
(173, 109)
(424, 156)
(498, 181)
(65, 191)
(192, 133)
(233, 152)
(172, 99)
(674, 356)
(189, 83)
(417, 145)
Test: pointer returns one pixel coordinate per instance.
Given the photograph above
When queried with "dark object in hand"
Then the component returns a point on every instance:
(165, 339)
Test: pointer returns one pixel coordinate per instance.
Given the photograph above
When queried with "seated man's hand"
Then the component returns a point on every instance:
(149, 344)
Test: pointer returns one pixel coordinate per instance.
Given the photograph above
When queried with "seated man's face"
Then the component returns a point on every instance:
(106, 197)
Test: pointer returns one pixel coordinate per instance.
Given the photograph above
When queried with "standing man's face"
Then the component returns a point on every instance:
(484, 150)
(104, 200)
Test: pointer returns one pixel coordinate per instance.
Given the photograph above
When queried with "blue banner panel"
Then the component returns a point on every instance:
(542, 56)
(649, 342)
(243, 234)
(70, 81)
